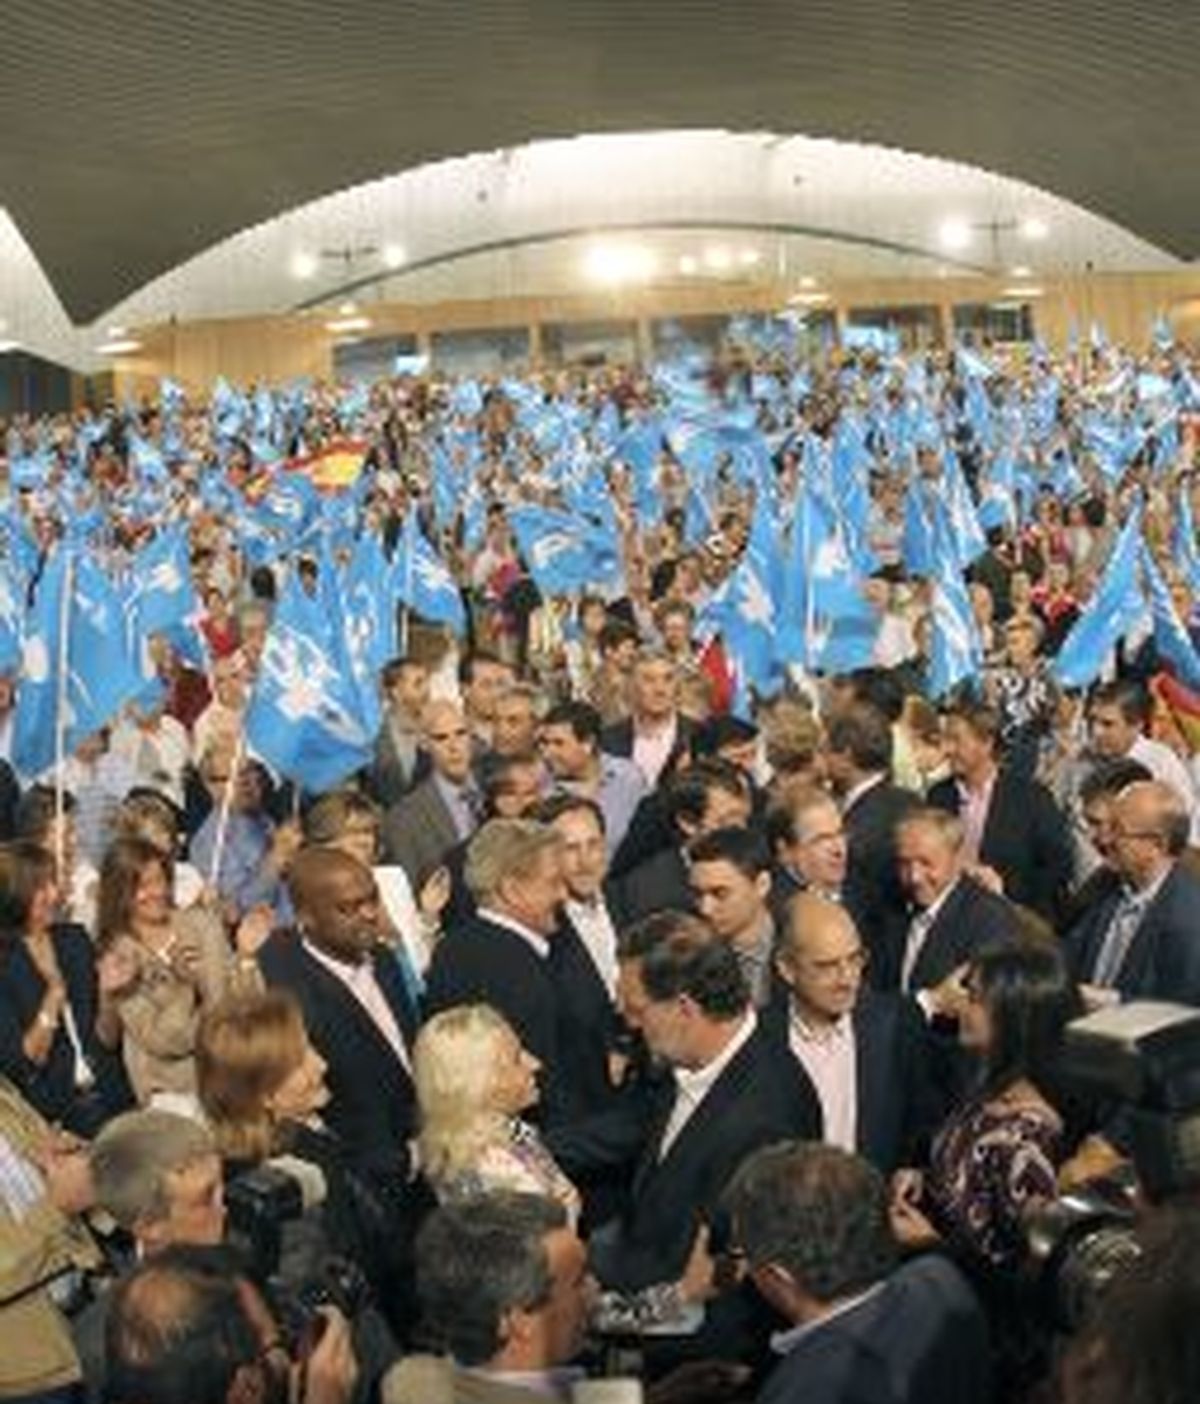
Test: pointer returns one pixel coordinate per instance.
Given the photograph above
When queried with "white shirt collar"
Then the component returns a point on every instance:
(840, 1028)
(694, 1083)
(534, 939)
(929, 914)
(856, 793)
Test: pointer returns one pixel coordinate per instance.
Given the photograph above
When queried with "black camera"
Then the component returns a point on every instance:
(258, 1204)
(1143, 1061)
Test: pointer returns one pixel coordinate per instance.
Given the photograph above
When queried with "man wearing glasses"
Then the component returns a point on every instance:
(863, 1051)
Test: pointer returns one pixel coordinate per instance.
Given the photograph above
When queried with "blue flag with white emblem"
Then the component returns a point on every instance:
(370, 614)
(1111, 612)
(102, 673)
(422, 580)
(1171, 639)
(956, 653)
(305, 716)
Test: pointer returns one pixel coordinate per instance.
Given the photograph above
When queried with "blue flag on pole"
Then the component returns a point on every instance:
(1171, 639)
(1112, 611)
(422, 580)
(305, 716)
(102, 672)
(956, 654)
(370, 615)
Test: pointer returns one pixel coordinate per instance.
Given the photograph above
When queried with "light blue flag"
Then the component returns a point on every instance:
(1183, 541)
(556, 548)
(1161, 334)
(956, 651)
(1171, 639)
(422, 580)
(161, 593)
(10, 621)
(955, 504)
(305, 716)
(749, 619)
(171, 396)
(820, 593)
(998, 502)
(370, 613)
(917, 541)
(1112, 611)
(289, 504)
(102, 673)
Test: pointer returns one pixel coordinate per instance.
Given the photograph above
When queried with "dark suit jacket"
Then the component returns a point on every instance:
(755, 1102)
(417, 832)
(872, 889)
(589, 1026)
(897, 1108)
(617, 739)
(1025, 838)
(372, 1105)
(921, 1338)
(481, 962)
(1163, 961)
(50, 1088)
(387, 777)
(659, 884)
(970, 918)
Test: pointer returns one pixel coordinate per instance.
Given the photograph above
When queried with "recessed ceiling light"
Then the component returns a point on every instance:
(1020, 271)
(1034, 228)
(347, 309)
(394, 255)
(954, 234)
(118, 347)
(303, 265)
(718, 259)
(749, 257)
(688, 264)
(341, 325)
(619, 263)
(808, 281)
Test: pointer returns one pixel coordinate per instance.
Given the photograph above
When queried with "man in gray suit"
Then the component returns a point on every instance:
(422, 827)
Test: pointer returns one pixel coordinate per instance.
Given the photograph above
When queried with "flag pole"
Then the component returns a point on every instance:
(60, 721)
(226, 806)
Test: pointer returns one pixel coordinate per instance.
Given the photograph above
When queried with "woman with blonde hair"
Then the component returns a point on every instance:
(473, 1081)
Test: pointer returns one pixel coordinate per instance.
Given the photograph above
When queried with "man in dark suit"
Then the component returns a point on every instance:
(355, 1007)
(710, 795)
(863, 1050)
(813, 1224)
(955, 915)
(423, 826)
(656, 733)
(858, 757)
(727, 1095)
(400, 763)
(1142, 941)
(1012, 824)
(502, 955)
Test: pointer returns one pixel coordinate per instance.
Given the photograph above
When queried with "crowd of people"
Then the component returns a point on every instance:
(613, 1016)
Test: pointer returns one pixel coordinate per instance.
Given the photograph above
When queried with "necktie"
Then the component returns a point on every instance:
(1117, 940)
(913, 945)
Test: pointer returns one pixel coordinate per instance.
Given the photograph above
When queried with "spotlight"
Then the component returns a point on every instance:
(718, 259)
(688, 265)
(303, 265)
(954, 234)
(394, 255)
(1034, 228)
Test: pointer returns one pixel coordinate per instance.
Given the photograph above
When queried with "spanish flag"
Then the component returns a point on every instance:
(1176, 708)
(335, 465)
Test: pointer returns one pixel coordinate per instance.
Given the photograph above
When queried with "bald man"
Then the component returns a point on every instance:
(863, 1051)
(355, 1005)
(1143, 940)
(421, 828)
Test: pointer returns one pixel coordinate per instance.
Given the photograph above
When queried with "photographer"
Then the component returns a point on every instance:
(45, 1188)
(187, 1328)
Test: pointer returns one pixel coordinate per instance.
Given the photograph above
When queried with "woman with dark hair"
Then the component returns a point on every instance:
(57, 1027)
(996, 1158)
(168, 965)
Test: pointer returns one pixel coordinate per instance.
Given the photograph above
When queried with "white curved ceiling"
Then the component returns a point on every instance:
(530, 219)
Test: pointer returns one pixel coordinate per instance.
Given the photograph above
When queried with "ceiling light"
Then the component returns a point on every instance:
(7, 346)
(954, 234)
(749, 257)
(808, 281)
(688, 265)
(119, 346)
(619, 263)
(394, 255)
(303, 265)
(807, 299)
(1023, 291)
(341, 325)
(718, 259)
(1020, 271)
(1034, 228)
(114, 333)
(347, 309)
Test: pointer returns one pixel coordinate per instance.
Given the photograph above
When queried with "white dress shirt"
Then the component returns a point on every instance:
(595, 927)
(828, 1054)
(361, 982)
(651, 749)
(692, 1085)
(918, 933)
